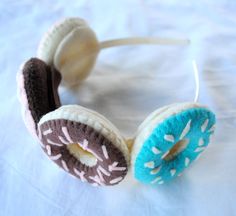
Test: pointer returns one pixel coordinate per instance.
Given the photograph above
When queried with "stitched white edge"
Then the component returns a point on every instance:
(151, 122)
(52, 38)
(76, 54)
(93, 119)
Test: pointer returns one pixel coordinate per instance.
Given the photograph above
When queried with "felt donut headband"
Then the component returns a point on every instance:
(83, 142)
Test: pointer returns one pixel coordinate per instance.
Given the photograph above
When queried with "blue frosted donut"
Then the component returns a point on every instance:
(161, 158)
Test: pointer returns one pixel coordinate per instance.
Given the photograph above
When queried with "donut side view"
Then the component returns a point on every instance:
(71, 47)
(37, 85)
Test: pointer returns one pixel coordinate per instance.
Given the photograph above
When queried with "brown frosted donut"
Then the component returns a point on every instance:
(37, 91)
(81, 149)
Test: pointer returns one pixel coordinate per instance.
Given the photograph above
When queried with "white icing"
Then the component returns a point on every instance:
(186, 130)
(204, 125)
(169, 138)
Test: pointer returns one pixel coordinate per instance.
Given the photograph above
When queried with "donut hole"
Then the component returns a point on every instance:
(82, 155)
(176, 149)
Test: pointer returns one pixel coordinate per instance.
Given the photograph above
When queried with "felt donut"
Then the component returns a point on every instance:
(169, 140)
(52, 38)
(81, 141)
(84, 144)
(37, 91)
(71, 47)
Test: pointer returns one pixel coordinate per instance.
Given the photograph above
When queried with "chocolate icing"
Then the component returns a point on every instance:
(41, 83)
(78, 133)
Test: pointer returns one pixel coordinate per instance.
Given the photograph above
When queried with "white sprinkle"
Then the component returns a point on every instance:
(89, 150)
(197, 158)
(96, 179)
(185, 130)
(169, 138)
(95, 185)
(204, 125)
(66, 134)
(199, 149)
(113, 181)
(201, 142)
(55, 157)
(105, 172)
(149, 164)
(53, 143)
(80, 174)
(114, 167)
(156, 170)
(119, 168)
(155, 150)
(63, 140)
(48, 148)
(156, 180)
(212, 128)
(164, 155)
(187, 161)
(100, 176)
(172, 172)
(160, 182)
(85, 144)
(48, 131)
(104, 150)
(64, 165)
(85, 147)
(114, 164)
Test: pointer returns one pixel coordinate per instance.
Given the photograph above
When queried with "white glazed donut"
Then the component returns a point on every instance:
(71, 47)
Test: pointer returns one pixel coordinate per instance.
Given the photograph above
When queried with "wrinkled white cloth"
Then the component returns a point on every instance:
(125, 86)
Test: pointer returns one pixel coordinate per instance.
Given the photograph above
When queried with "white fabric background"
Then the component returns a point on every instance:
(126, 85)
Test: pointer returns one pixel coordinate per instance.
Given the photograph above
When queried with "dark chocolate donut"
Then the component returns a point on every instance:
(39, 82)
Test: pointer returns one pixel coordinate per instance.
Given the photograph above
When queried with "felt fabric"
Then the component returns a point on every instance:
(92, 119)
(40, 83)
(70, 46)
(152, 120)
(194, 125)
(56, 135)
(53, 37)
(127, 84)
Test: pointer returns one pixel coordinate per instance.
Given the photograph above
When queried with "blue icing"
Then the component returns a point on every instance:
(174, 125)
